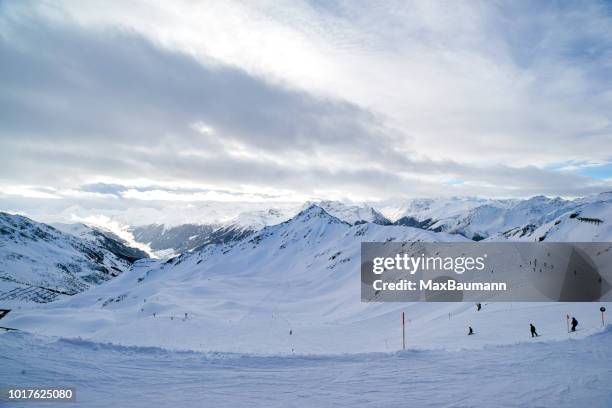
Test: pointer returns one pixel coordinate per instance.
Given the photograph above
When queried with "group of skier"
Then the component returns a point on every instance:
(532, 328)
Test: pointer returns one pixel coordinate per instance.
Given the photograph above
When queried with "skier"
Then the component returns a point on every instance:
(471, 331)
(574, 324)
(478, 307)
(534, 333)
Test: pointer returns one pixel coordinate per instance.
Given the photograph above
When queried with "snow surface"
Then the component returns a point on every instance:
(544, 374)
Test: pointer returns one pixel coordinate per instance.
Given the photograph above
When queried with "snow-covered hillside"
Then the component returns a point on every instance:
(292, 287)
(40, 263)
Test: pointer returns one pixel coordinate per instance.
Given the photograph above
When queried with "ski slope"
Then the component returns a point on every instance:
(544, 374)
(292, 288)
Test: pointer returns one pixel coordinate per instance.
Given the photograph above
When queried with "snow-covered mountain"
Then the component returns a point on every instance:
(351, 213)
(429, 210)
(168, 241)
(477, 218)
(586, 220)
(103, 238)
(294, 288)
(301, 275)
(39, 263)
(291, 287)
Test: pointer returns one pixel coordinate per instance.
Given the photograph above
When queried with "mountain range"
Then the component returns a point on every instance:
(294, 287)
(41, 262)
(474, 218)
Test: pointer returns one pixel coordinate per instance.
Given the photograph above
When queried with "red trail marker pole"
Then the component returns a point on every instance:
(403, 332)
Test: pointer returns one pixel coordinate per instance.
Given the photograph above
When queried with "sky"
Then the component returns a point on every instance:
(127, 104)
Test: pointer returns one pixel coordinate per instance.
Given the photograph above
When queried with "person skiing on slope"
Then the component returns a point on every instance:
(471, 331)
(534, 333)
(574, 324)
(478, 307)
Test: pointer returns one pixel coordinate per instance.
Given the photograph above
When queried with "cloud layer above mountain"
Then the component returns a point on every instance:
(289, 100)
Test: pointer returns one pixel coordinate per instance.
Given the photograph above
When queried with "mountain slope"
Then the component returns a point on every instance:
(104, 239)
(291, 287)
(39, 263)
(300, 275)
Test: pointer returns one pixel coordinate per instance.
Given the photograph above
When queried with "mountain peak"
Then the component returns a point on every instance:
(351, 213)
(314, 211)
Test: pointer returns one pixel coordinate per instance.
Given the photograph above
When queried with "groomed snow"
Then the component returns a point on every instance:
(542, 374)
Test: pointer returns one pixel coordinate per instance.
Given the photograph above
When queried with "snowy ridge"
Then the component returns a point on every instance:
(589, 220)
(175, 240)
(353, 214)
(481, 218)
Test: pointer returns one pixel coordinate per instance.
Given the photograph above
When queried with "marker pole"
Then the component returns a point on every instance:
(403, 332)
(567, 321)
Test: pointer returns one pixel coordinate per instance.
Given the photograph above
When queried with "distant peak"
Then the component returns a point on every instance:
(312, 208)
(316, 211)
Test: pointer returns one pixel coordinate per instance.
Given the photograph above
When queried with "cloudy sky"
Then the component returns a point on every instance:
(140, 101)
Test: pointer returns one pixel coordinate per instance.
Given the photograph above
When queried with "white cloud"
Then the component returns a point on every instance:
(284, 101)
(30, 192)
(454, 78)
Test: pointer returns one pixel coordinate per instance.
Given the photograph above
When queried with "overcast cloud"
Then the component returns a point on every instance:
(288, 101)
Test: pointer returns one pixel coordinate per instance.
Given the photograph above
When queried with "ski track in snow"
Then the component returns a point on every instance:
(557, 374)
